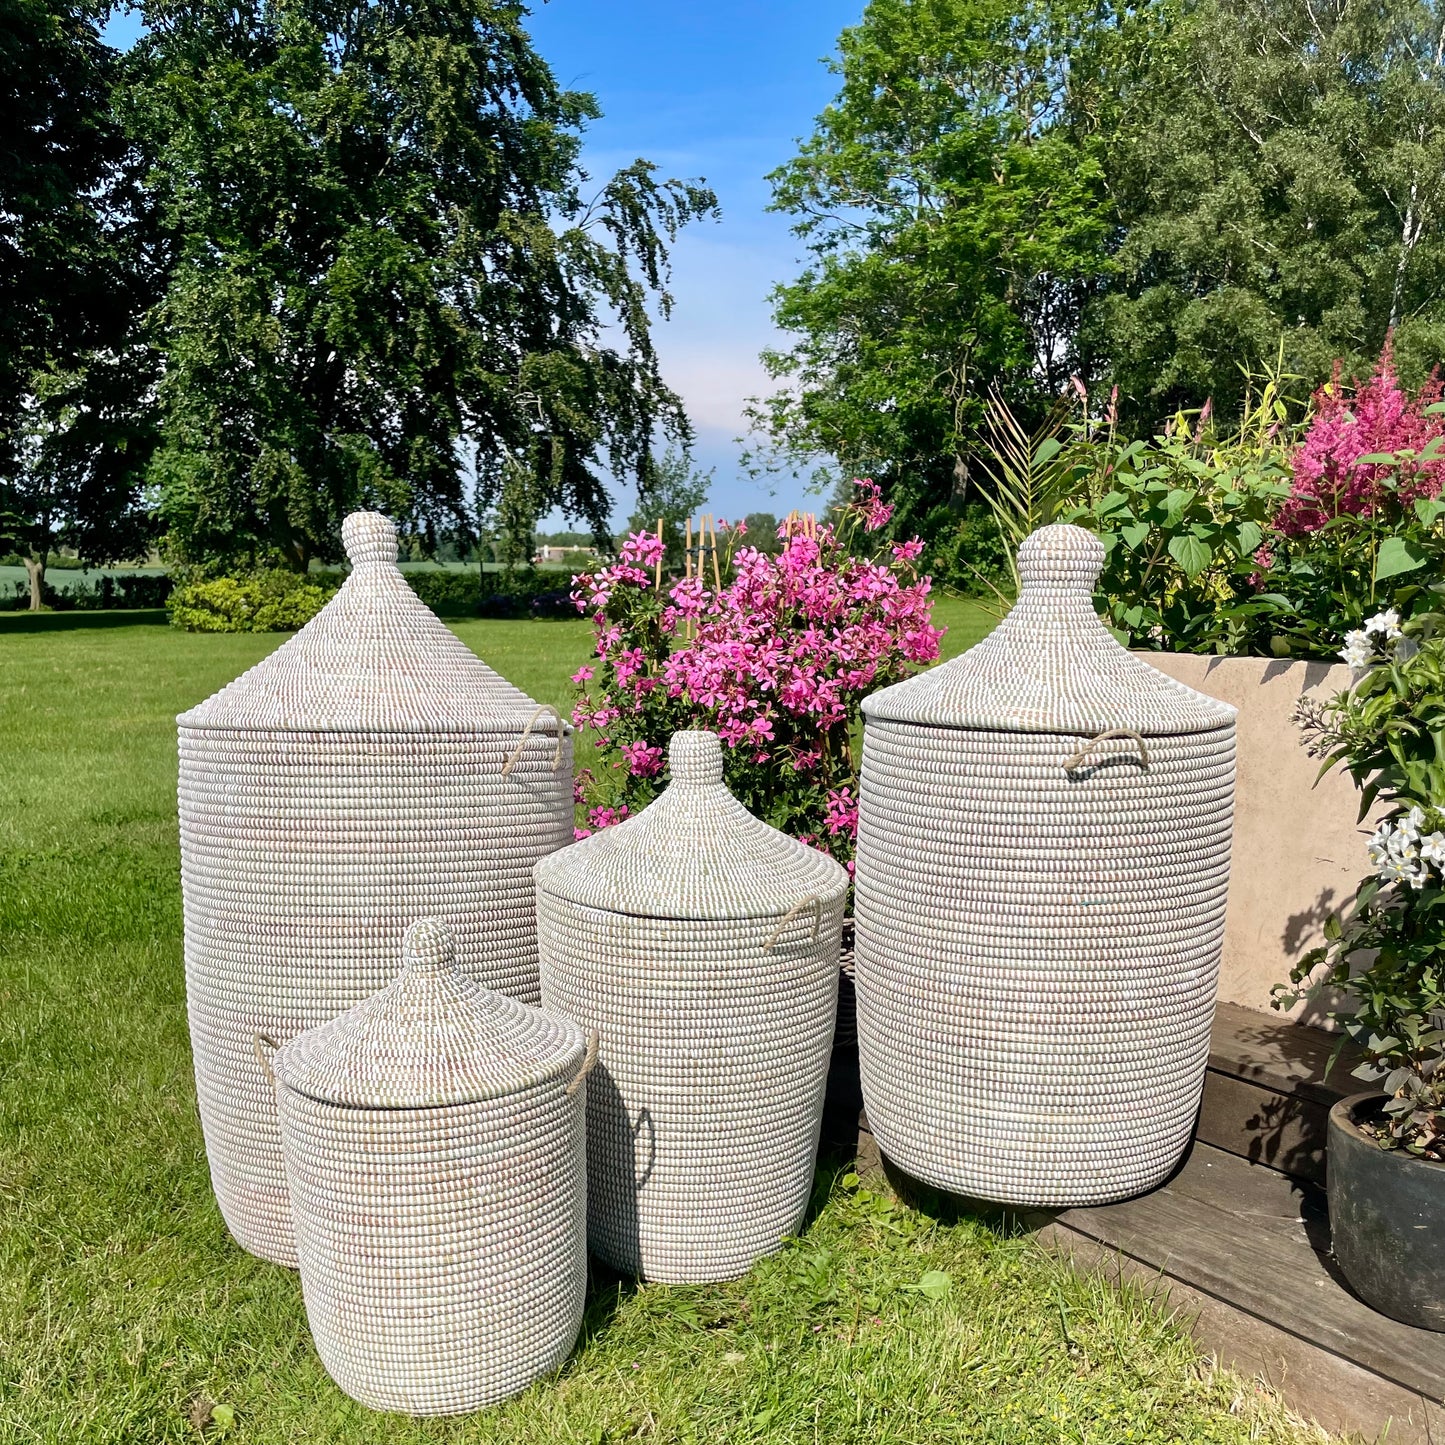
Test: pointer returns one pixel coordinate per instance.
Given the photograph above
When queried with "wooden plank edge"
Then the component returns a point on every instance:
(1315, 1382)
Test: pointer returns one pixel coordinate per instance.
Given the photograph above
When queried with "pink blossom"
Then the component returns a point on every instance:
(644, 547)
(841, 812)
(1330, 480)
(642, 761)
(583, 674)
(908, 551)
(606, 817)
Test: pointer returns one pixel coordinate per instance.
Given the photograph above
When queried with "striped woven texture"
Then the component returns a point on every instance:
(435, 1151)
(1040, 911)
(307, 846)
(716, 1022)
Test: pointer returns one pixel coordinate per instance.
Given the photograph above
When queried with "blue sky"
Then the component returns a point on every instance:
(722, 91)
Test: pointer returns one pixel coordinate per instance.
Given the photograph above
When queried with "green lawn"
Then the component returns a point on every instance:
(124, 1307)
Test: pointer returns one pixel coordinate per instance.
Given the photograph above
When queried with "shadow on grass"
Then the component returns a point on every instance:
(11, 622)
(607, 1292)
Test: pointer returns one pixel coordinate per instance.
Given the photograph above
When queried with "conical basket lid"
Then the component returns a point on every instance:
(1051, 665)
(695, 852)
(430, 1038)
(376, 658)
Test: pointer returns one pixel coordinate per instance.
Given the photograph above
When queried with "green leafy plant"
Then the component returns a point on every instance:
(1182, 517)
(278, 600)
(1387, 955)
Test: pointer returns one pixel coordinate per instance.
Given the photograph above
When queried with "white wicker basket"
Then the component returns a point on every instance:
(369, 771)
(435, 1152)
(1043, 856)
(703, 945)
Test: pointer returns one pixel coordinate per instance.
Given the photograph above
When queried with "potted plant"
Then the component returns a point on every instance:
(1386, 1147)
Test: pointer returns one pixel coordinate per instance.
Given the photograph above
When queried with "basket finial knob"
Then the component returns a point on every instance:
(369, 537)
(695, 757)
(1061, 557)
(430, 946)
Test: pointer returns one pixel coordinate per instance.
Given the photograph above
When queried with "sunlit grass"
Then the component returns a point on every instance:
(124, 1306)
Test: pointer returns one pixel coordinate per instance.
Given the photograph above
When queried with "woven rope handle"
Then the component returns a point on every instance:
(257, 1043)
(527, 732)
(589, 1061)
(811, 901)
(1079, 758)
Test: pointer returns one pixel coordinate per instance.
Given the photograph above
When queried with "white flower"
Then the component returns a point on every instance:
(1379, 845)
(1358, 651)
(1405, 649)
(1432, 849)
(1414, 820)
(1386, 624)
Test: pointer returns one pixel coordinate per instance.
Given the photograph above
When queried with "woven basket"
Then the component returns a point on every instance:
(1043, 857)
(369, 771)
(703, 946)
(435, 1152)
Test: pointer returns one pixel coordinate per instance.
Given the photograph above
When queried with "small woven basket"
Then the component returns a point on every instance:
(703, 946)
(370, 770)
(435, 1152)
(1043, 856)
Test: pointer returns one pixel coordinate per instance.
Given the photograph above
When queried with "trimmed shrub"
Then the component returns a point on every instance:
(103, 594)
(269, 601)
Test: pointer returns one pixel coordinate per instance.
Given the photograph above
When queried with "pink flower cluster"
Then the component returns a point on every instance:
(1330, 480)
(783, 654)
(776, 660)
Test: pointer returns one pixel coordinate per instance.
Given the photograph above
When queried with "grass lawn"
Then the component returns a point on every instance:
(125, 1308)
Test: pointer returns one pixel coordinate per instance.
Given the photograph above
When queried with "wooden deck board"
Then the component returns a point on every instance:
(1257, 1240)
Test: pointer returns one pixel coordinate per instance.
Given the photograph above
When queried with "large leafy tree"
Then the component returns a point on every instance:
(953, 202)
(1278, 179)
(73, 381)
(392, 284)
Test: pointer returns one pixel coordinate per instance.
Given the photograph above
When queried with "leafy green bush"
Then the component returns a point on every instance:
(103, 594)
(448, 593)
(964, 552)
(527, 592)
(1387, 955)
(1181, 519)
(269, 601)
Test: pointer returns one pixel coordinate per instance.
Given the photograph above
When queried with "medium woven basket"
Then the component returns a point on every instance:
(1043, 856)
(703, 946)
(435, 1152)
(369, 771)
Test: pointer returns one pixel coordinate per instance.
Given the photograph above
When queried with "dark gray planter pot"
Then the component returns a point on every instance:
(1387, 1219)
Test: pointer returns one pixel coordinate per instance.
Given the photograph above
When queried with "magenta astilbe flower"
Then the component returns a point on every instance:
(1330, 480)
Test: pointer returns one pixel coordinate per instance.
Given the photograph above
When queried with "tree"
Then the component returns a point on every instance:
(389, 288)
(671, 495)
(73, 383)
(1278, 178)
(954, 206)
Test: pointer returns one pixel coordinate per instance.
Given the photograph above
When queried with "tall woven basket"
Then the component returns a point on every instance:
(1043, 854)
(703, 946)
(369, 771)
(435, 1151)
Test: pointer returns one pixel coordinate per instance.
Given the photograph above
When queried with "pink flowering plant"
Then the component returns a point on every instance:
(775, 656)
(1363, 527)
(1272, 537)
